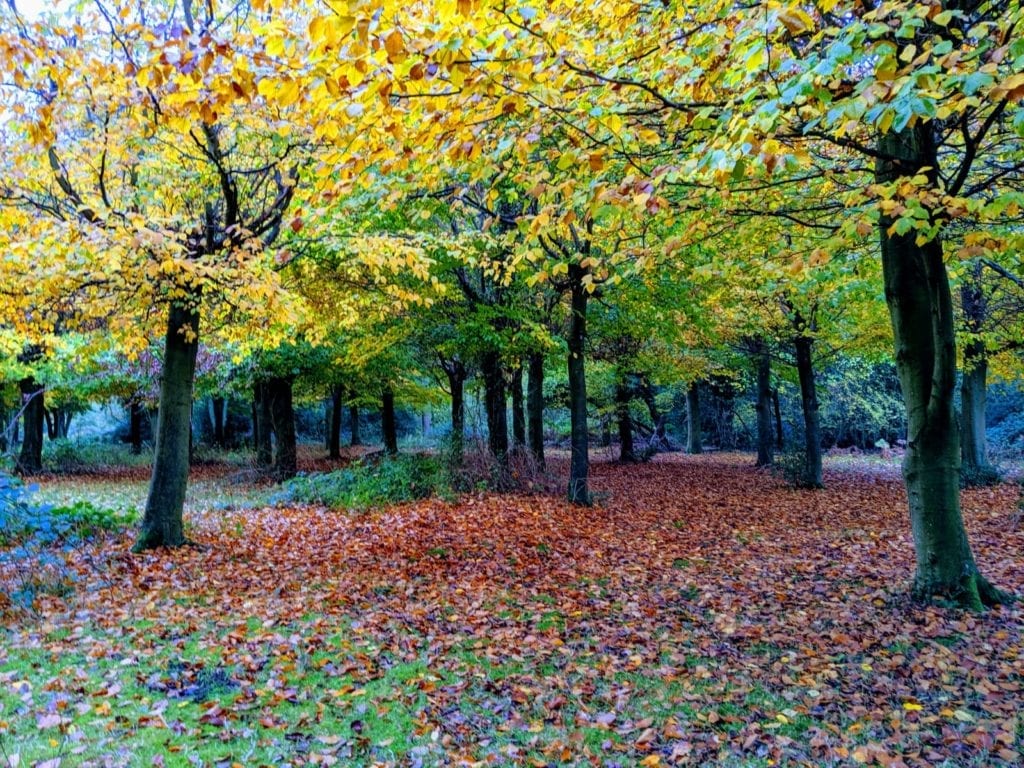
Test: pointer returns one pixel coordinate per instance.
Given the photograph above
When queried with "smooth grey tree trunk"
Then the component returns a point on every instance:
(518, 409)
(765, 455)
(496, 407)
(625, 422)
(282, 414)
(920, 305)
(976, 468)
(387, 421)
(812, 477)
(456, 373)
(779, 437)
(694, 439)
(263, 426)
(162, 521)
(535, 407)
(135, 426)
(334, 432)
(33, 416)
(353, 423)
(579, 460)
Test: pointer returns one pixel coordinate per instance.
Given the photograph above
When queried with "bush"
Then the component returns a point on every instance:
(979, 477)
(792, 467)
(370, 483)
(25, 523)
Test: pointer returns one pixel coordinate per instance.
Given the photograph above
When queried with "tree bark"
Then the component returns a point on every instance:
(658, 419)
(353, 423)
(135, 426)
(456, 373)
(162, 520)
(518, 409)
(30, 458)
(387, 421)
(764, 406)
(779, 440)
(282, 414)
(262, 425)
(626, 453)
(920, 305)
(974, 383)
(495, 405)
(812, 418)
(219, 413)
(334, 433)
(535, 406)
(579, 461)
(694, 440)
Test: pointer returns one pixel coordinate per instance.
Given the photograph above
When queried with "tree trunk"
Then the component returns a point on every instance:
(162, 521)
(973, 449)
(579, 461)
(658, 419)
(495, 405)
(30, 459)
(457, 386)
(764, 406)
(282, 415)
(535, 407)
(334, 433)
(920, 305)
(518, 409)
(219, 407)
(779, 444)
(812, 418)
(387, 422)
(694, 440)
(262, 426)
(353, 423)
(626, 453)
(135, 426)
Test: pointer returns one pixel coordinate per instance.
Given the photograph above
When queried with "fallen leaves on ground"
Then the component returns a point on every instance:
(701, 613)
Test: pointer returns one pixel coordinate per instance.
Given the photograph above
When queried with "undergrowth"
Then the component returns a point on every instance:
(370, 483)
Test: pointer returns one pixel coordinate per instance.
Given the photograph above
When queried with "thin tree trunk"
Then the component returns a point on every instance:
(920, 305)
(457, 386)
(30, 459)
(387, 421)
(353, 423)
(579, 461)
(518, 409)
(496, 407)
(812, 418)
(626, 453)
(135, 426)
(694, 439)
(535, 407)
(658, 419)
(334, 433)
(282, 414)
(764, 406)
(219, 408)
(162, 520)
(779, 444)
(973, 386)
(262, 426)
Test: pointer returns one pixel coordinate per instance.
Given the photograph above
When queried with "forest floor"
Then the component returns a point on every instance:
(702, 613)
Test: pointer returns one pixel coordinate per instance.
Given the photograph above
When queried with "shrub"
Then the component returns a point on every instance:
(371, 483)
(792, 467)
(979, 477)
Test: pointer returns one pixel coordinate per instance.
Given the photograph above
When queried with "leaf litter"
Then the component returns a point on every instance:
(701, 613)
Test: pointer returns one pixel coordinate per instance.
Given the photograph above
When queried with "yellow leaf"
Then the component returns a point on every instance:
(910, 706)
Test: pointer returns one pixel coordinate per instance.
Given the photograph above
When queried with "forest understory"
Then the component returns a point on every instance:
(701, 613)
